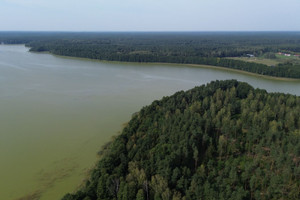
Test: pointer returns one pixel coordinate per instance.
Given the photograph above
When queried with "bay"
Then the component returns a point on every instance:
(57, 112)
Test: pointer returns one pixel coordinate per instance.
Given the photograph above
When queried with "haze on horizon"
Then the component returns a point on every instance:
(149, 15)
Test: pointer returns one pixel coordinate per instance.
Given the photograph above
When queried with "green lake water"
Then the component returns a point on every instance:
(57, 112)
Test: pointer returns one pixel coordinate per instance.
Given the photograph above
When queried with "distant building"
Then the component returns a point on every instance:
(288, 54)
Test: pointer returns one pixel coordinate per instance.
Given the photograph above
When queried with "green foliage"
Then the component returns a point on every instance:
(270, 55)
(225, 140)
(209, 48)
(140, 195)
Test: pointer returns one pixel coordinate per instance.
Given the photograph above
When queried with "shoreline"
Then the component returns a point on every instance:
(163, 64)
(179, 64)
(160, 63)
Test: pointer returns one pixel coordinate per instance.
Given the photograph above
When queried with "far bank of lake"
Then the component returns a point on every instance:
(183, 65)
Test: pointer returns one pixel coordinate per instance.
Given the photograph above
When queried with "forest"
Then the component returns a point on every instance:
(208, 48)
(222, 140)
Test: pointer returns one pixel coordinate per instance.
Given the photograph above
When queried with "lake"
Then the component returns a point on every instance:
(57, 112)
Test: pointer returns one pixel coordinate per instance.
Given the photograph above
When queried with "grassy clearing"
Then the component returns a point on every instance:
(292, 58)
(265, 61)
(280, 59)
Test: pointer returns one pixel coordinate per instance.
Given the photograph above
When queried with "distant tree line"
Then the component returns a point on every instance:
(207, 48)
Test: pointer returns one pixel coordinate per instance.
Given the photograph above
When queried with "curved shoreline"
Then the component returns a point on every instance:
(180, 64)
(176, 65)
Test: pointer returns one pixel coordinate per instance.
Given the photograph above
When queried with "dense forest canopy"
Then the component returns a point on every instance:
(223, 140)
(210, 48)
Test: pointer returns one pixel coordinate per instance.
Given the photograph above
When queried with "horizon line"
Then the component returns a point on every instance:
(128, 31)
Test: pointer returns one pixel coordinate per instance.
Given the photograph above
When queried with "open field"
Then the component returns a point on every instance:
(292, 58)
(280, 59)
(265, 61)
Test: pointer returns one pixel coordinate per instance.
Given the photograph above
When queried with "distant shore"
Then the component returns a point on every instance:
(179, 64)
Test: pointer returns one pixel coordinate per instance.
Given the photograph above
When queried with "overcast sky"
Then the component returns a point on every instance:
(150, 15)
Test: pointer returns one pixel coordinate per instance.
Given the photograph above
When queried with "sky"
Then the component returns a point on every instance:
(149, 15)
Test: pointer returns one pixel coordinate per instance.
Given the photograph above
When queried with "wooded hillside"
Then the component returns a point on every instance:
(223, 140)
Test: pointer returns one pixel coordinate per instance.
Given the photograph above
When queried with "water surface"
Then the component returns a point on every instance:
(57, 112)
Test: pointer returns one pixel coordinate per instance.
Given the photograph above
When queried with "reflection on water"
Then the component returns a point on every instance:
(57, 112)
